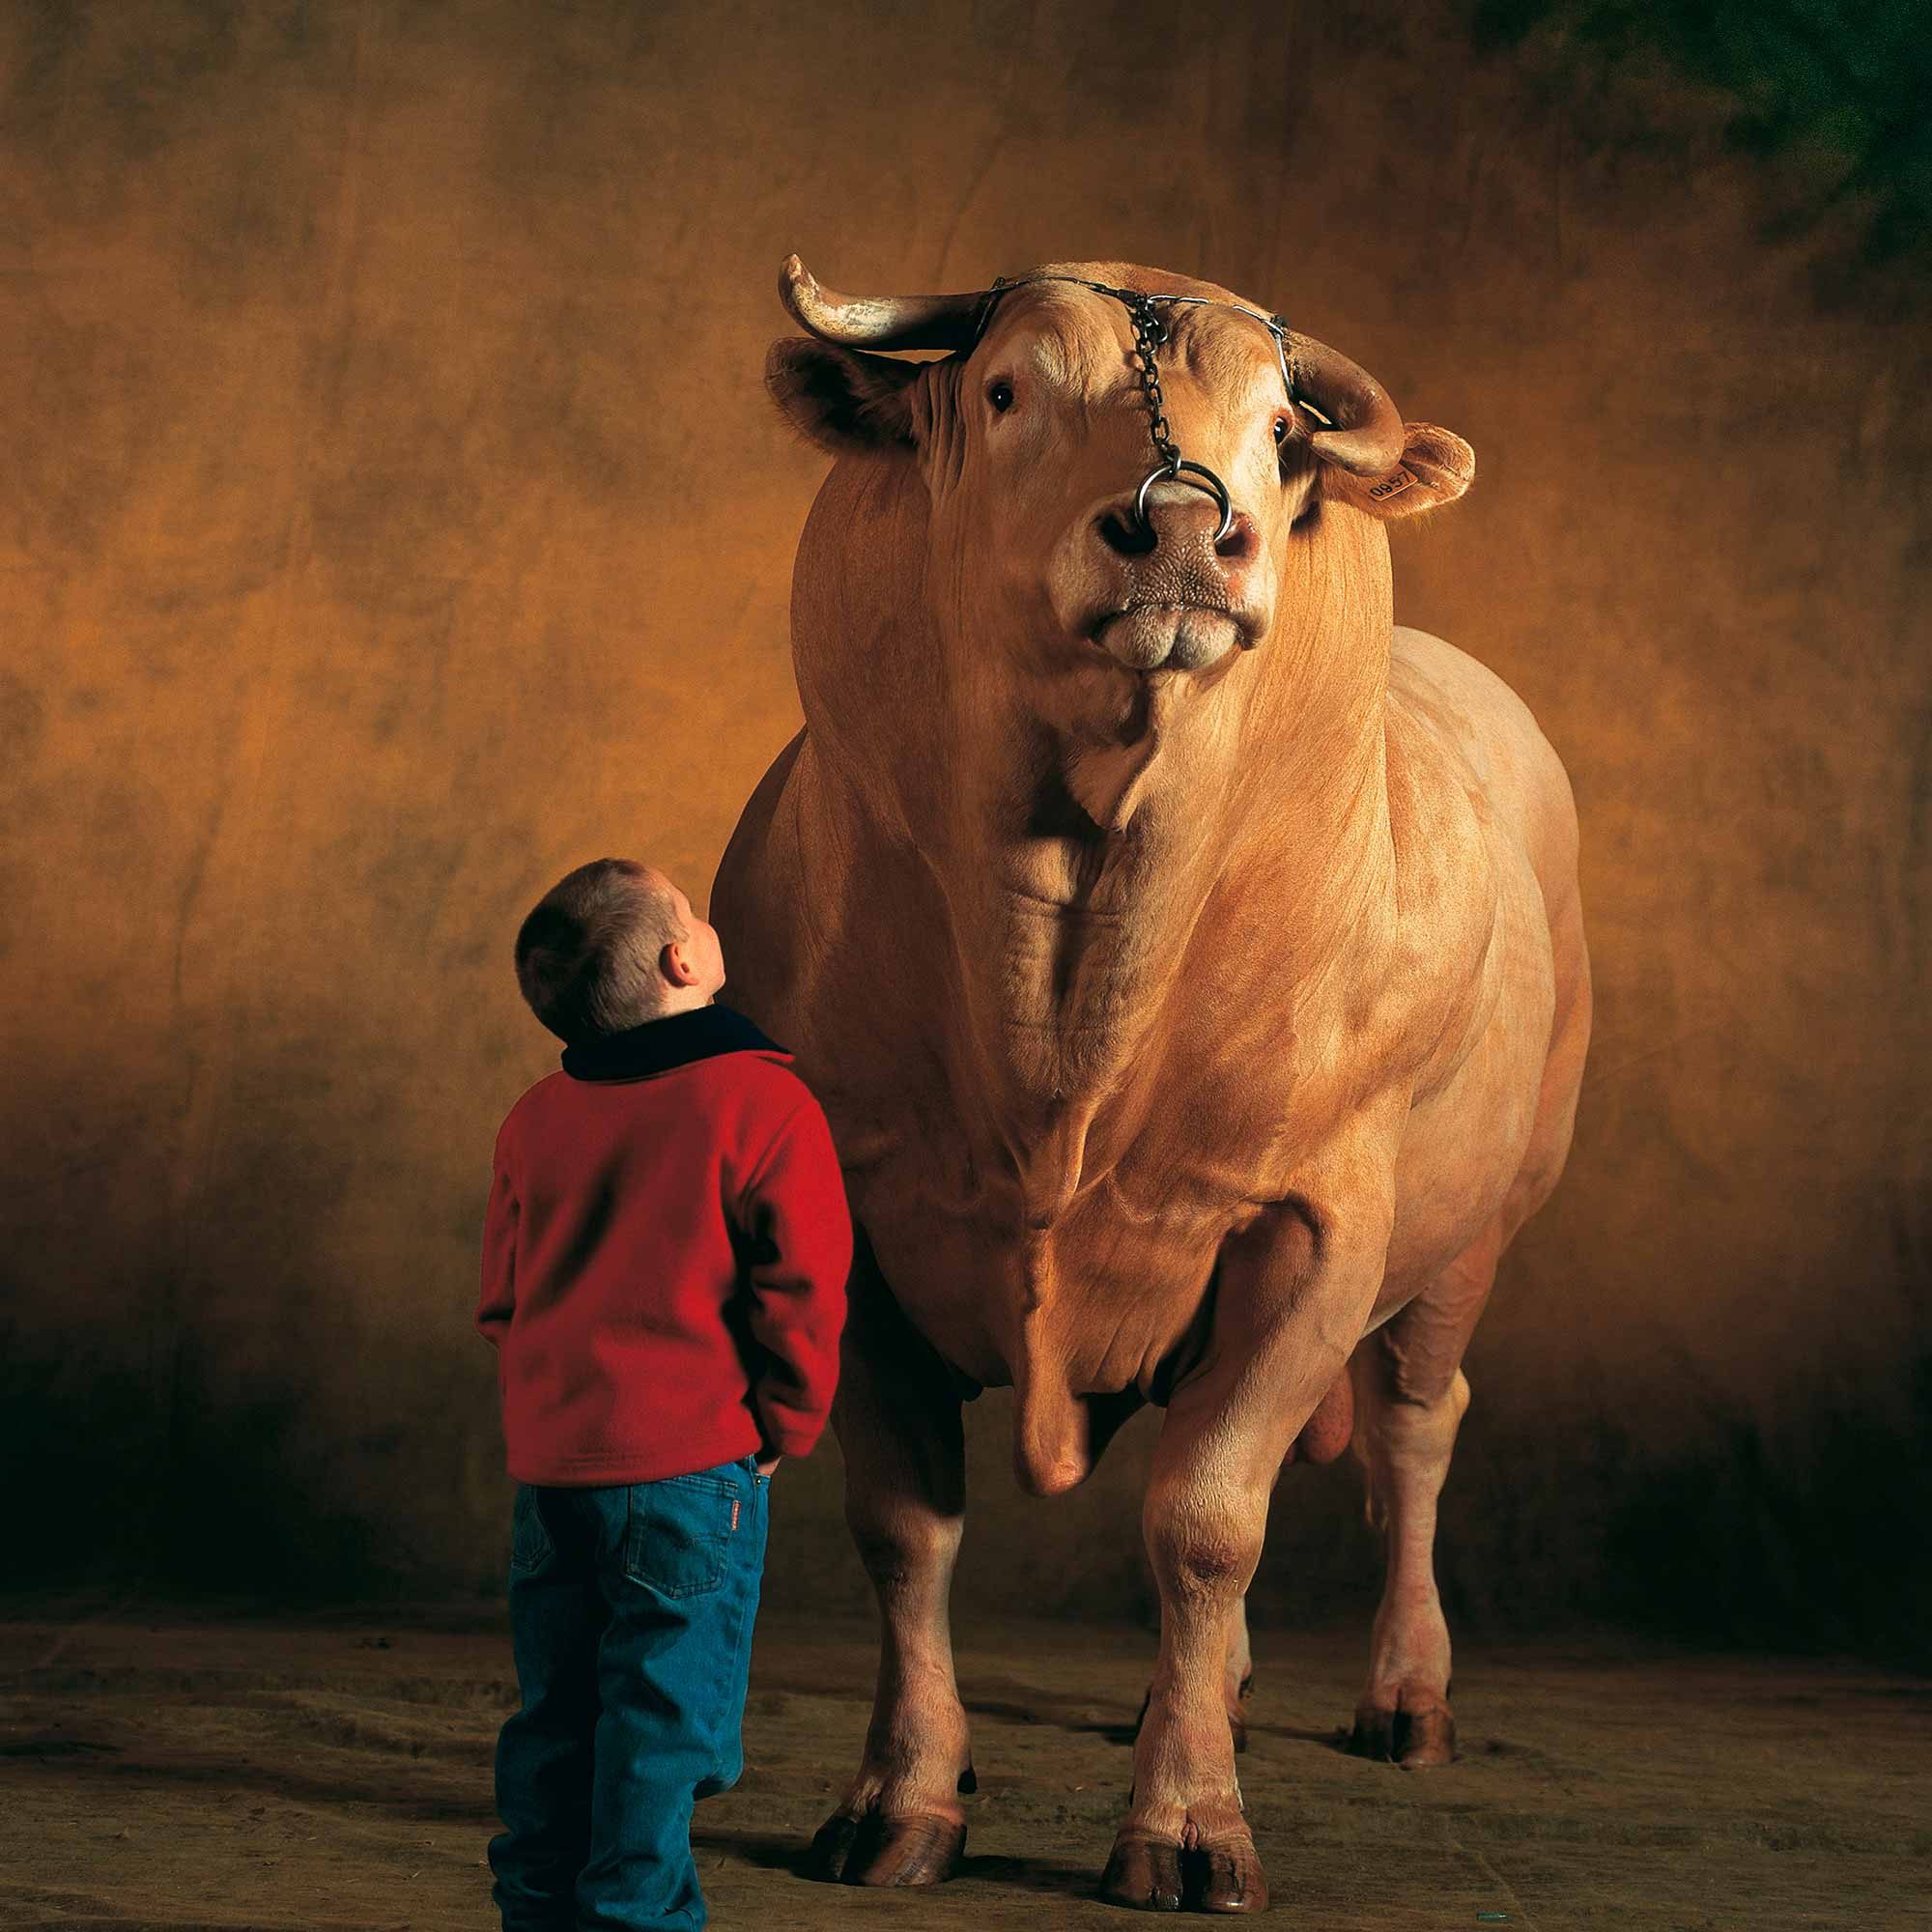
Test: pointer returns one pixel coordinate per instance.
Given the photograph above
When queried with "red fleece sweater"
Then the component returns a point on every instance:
(665, 1258)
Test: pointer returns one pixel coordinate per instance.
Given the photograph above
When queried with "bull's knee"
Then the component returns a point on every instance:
(1417, 1364)
(1204, 1551)
(1427, 1404)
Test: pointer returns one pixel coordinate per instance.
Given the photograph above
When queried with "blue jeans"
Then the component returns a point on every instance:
(631, 1613)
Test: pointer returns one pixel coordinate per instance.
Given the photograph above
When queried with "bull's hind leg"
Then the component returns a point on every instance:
(1410, 1395)
(898, 1420)
(1237, 1675)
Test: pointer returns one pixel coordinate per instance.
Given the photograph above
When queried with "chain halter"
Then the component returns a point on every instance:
(1149, 332)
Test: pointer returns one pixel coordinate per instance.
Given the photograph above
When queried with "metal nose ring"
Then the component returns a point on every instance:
(1171, 472)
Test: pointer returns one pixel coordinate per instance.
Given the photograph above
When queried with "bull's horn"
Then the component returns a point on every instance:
(1367, 438)
(879, 322)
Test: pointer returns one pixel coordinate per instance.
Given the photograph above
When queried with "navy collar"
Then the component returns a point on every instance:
(658, 1045)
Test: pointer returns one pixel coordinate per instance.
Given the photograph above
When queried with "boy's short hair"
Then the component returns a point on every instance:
(587, 955)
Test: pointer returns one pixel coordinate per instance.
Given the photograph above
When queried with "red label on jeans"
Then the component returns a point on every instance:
(734, 1512)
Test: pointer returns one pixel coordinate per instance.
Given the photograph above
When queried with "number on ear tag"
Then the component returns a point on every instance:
(1392, 485)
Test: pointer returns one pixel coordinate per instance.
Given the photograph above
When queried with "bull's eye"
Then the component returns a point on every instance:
(1001, 396)
(1280, 429)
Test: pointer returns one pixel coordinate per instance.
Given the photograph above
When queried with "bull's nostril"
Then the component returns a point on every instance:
(1241, 541)
(1124, 535)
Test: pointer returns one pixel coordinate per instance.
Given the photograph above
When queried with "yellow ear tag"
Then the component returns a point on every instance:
(1392, 485)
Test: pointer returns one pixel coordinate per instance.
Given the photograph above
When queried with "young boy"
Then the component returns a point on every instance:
(663, 1280)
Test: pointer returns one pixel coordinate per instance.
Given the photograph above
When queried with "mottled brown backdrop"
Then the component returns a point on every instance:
(392, 518)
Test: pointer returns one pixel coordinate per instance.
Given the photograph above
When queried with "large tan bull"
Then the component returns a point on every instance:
(1191, 965)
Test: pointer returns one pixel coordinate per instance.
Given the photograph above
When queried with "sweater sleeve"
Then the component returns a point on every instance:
(500, 1249)
(801, 1229)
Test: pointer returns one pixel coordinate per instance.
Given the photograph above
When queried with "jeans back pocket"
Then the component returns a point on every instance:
(678, 1537)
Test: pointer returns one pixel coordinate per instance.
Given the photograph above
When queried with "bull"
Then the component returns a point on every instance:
(1192, 966)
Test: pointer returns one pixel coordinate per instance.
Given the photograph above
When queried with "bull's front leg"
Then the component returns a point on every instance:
(1293, 1296)
(898, 1420)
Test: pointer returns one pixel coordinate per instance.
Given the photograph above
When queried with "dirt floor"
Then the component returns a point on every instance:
(167, 1773)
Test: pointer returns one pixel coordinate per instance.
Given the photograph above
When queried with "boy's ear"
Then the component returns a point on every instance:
(842, 399)
(1436, 466)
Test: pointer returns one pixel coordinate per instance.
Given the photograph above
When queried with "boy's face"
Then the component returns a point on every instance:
(700, 953)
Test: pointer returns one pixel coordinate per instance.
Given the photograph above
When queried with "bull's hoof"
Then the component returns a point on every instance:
(878, 1849)
(1228, 1875)
(1156, 1874)
(1416, 1739)
(1143, 1871)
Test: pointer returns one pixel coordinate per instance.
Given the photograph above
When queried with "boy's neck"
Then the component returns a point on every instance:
(688, 1004)
(652, 1047)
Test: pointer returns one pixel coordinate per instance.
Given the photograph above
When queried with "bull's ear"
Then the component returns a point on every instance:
(841, 398)
(1436, 466)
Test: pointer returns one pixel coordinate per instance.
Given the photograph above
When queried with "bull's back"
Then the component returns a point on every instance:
(1529, 806)
(1492, 731)
(1490, 1137)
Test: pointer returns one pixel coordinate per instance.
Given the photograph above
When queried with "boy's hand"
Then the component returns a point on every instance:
(765, 1467)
